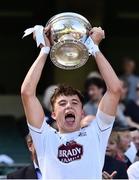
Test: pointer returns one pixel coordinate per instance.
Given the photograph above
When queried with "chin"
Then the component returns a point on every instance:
(108, 153)
(71, 129)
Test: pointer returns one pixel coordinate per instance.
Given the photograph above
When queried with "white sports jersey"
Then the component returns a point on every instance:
(77, 155)
(133, 171)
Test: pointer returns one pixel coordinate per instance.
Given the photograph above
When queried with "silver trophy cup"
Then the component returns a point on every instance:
(68, 33)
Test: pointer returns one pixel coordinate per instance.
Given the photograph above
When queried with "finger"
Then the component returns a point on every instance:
(92, 30)
(103, 34)
(96, 29)
(113, 174)
(47, 28)
(99, 28)
(107, 175)
(104, 176)
(34, 37)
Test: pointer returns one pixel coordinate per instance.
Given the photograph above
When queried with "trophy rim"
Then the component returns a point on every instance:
(65, 67)
(68, 15)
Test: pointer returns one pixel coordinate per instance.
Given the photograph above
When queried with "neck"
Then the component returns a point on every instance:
(68, 131)
(120, 154)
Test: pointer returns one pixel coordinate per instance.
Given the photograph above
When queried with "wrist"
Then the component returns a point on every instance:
(92, 47)
(45, 50)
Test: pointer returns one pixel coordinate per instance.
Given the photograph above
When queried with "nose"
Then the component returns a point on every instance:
(107, 146)
(69, 105)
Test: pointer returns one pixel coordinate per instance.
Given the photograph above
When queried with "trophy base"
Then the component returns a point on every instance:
(69, 54)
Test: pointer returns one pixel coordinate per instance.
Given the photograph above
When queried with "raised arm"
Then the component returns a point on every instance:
(110, 100)
(32, 107)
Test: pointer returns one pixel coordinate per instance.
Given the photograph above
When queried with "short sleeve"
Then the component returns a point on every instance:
(104, 121)
(41, 136)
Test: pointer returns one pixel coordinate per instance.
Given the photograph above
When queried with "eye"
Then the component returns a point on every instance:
(62, 103)
(74, 102)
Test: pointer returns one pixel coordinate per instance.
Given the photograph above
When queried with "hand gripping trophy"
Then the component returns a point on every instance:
(69, 37)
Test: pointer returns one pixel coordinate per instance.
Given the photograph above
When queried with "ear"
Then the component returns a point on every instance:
(101, 90)
(29, 146)
(53, 115)
(30, 149)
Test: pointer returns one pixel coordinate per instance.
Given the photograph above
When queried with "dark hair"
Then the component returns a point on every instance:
(128, 59)
(65, 90)
(94, 81)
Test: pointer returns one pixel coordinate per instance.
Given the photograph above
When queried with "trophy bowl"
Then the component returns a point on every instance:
(68, 32)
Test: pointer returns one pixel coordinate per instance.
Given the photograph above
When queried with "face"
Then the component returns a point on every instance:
(68, 113)
(124, 90)
(111, 148)
(32, 151)
(135, 138)
(95, 93)
(129, 67)
(125, 139)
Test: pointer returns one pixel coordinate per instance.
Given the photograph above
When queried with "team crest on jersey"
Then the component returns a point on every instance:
(72, 151)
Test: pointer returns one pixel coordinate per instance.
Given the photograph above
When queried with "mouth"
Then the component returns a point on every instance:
(108, 150)
(70, 118)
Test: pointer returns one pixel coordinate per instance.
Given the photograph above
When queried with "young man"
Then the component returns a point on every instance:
(71, 153)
